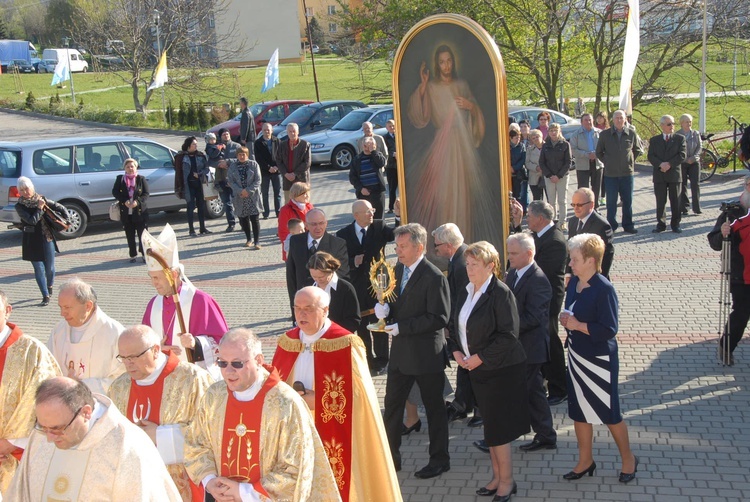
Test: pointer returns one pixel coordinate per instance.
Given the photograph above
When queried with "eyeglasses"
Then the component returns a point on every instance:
(56, 431)
(238, 365)
(132, 358)
(582, 204)
(669, 124)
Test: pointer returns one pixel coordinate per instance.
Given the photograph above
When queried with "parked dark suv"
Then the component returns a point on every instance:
(318, 116)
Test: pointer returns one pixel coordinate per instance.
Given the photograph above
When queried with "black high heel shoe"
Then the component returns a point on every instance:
(628, 477)
(405, 431)
(578, 475)
(506, 498)
(486, 492)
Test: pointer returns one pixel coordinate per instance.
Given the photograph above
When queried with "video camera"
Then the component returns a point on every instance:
(733, 210)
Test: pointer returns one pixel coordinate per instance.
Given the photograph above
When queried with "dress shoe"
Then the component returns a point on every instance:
(256, 246)
(684, 212)
(627, 478)
(378, 371)
(572, 475)
(230, 228)
(630, 230)
(431, 471)
(658, 230)
(405, 431)
(555, 400)
(677, 230)
(192, 233)
(506, 497)
(454, 414)
(698, 212)
(481, 445)
(206, 231)
(486, 492)
(132, 260)
(475, 421)
(537, 445)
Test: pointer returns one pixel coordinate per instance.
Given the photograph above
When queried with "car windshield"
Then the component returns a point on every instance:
(352, 121)
(10, 163)
(256, 109)
(300, 115)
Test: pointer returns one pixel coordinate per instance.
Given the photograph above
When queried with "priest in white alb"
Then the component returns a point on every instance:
(192, 326)
(330, 363)
(161, 395)
(82, 448)
(253, 437)
(24, 363)
(84, 342)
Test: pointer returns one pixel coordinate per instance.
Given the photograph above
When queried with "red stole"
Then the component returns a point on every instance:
(240, 441)
(334, 399)
(15, 334)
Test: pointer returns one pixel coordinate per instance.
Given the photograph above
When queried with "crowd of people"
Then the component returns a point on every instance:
(181, 407)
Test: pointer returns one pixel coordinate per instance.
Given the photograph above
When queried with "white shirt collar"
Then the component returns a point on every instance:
(309, 339)
(483, 289)
(332, 284)
(520, 272)
(300, 205)
(544, 230)
(161, 362)
(98, 412)
(413, 266)
(586, 218)
(359, 229)
(310, 239)
(4, 334)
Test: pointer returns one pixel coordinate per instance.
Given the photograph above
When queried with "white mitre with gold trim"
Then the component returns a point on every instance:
(165, 246)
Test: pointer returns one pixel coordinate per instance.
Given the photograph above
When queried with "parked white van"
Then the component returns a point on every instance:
(77, 63)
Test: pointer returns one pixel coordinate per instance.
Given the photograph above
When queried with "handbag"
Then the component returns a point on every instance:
(55, 220)
(114, 211)
(208, 183)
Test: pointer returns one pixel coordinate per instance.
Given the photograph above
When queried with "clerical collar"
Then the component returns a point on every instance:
(161, 362)
(333, 284)
(310, 339)
(4, 334)
(76, 334)
(544, 230)
(252, 391)
(98, 412)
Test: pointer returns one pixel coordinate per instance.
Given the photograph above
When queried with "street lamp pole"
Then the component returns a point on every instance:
(312, 55)
(157, 17)
(66, 43)
(702, 107)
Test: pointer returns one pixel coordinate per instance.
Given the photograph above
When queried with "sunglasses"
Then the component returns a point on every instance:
(573, 204)
(238, 365)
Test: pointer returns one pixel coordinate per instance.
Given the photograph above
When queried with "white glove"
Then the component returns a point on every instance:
(392, 329)
(382, 311)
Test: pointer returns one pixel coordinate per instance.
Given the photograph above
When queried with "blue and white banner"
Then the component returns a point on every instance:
(62, 71)
(272, 72)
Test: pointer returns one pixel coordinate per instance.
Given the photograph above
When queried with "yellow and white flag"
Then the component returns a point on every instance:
(160, 75)
(630, 56)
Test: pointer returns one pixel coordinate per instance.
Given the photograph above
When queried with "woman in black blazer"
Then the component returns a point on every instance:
(344, 306)
(131, 191)
(485, 342)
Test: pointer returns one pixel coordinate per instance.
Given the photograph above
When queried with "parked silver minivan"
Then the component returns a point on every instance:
(79, 173)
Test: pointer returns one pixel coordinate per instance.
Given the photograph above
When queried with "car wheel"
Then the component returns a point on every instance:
(215, 208)
(85, 69)
(78, 218)
(342, 157)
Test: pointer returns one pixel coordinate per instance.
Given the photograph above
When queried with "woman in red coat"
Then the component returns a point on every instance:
(297, 208)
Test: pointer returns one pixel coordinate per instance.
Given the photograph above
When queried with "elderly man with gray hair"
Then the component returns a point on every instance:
(666, 153)
(84, 342)
(367, 132)
(367, 176)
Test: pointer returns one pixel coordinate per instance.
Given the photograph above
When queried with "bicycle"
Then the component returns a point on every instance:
(711, 159)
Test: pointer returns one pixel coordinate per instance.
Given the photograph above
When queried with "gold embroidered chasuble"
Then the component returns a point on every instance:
(27, 364)
(293, 463)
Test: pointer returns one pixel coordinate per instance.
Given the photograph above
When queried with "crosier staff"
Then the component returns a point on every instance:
(175, 296)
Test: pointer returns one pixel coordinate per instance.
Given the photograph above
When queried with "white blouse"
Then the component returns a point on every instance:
(463, 315)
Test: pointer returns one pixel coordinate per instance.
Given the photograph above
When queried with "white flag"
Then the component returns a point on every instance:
(62, 71)
(272, 72)
(630, 56)
(160, 75)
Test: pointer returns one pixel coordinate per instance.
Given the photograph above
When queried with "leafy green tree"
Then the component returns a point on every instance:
(191, 115)
(316, 32)
(182, 114)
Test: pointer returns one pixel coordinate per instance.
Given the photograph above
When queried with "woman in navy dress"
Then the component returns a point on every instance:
(590, 318)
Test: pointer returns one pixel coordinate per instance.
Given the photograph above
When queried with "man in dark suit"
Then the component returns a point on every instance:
(416, 321)
(533, 294)
(247, 127)
(666, 153)
(551, 256)
(269, 171)
(303, 246)
(365, 238)
(449, 243)
(588, 221)
(293, 159)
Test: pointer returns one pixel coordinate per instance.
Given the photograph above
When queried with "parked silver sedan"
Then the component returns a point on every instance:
(568, 125)
(338, 146)
(46, 66)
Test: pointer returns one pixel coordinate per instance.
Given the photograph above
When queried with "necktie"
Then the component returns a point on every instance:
(667, 136)
(405, 278)
(362, 238)
(515, 282)
(580, 226)
(313, 246)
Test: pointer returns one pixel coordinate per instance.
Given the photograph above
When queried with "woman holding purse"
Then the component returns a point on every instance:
(244, 179)
(38, 244)
(131, 192)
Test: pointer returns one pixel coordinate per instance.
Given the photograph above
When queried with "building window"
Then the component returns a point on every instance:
(331, 10)
(332, 28)
(309, 12)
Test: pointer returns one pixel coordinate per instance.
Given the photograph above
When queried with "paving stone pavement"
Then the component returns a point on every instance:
(685, 413)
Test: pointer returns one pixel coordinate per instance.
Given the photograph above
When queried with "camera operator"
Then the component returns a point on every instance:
(734, 225)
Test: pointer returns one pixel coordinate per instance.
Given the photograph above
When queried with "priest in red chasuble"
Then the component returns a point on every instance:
(331, 364)
(161, 394)
(24, 363)
(253, 437)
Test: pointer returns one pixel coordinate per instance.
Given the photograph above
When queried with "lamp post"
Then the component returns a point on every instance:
(702, 107)
(157, 18)
(66, 44)
(312, 55)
